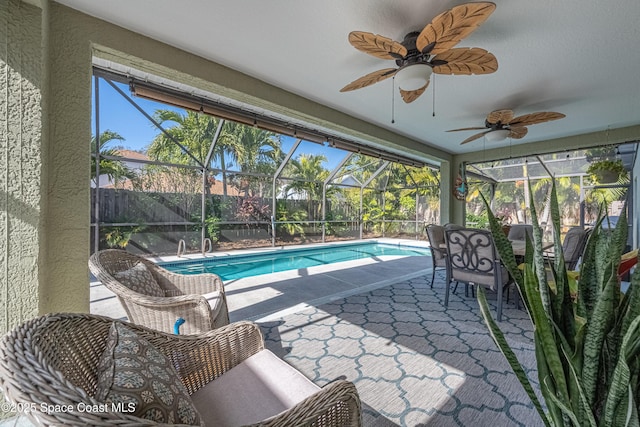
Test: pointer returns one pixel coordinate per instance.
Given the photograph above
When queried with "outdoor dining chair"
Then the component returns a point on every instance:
(435, 234)
(156, 298)
(474, 260)
(88, 370)
(573, 246)
(520, 232)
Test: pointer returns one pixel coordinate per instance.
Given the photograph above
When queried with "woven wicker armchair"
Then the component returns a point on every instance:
(198, 298)
(53, 360)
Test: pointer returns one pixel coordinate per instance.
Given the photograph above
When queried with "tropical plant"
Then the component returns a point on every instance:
(186, 139)
(120, 236)
(587, 343)
(212, 224)
(115, 170)
(252, 209)
(308, 175)
(292, 219)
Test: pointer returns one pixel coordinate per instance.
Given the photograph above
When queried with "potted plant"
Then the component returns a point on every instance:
(587, 345)
(505, 223)
(606, 171)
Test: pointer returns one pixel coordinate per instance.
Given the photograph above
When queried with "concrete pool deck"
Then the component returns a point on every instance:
(272, 295)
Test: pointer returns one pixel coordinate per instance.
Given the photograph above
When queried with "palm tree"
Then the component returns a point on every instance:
(186, 141)
(253, 150)
(194, 132)
(115, 170)
(308, 175)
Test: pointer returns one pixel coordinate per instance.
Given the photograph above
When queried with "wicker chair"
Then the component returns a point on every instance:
(198, 298)
(53, 360)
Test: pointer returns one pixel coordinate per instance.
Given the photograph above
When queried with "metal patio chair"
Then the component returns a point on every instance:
(156, 298)
(520, 232)
(474, 260)
(437, 243)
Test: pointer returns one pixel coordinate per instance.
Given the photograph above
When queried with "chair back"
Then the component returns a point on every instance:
(435, 234)
(573, 246)
(520, 232)
(473, 257)
(110, 267)
(452, 226)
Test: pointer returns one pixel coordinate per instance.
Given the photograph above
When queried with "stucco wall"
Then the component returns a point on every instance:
(20, 161)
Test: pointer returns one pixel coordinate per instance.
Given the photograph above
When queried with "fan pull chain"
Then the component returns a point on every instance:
(393, 100)
(433, 76)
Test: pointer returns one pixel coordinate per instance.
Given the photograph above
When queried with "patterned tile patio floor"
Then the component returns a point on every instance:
(414, 362)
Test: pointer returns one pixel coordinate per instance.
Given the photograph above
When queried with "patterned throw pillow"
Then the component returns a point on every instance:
(139, 279)
(132, 371)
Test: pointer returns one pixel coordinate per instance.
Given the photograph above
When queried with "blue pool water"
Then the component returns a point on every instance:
(239, 266)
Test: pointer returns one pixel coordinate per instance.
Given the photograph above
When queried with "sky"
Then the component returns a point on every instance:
(118, 115)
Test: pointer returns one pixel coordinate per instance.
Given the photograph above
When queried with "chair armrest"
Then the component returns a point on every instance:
(161, 313)
(199, 359)
(336, 404)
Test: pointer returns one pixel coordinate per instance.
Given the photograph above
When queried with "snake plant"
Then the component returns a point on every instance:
(587, 341)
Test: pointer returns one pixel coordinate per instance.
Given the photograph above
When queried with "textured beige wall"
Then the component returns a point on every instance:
(20, 161)
(64, 284)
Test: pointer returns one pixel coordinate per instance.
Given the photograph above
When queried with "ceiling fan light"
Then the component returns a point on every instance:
(497, 135)
(413, 77)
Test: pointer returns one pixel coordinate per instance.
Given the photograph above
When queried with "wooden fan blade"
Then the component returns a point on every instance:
(448, 28)
(369, 79)
(466, 61)
(502, 116)
(535, 118)
(473, 128)
(376, 45)
(476, 136)
(409, 96)
(518, 132)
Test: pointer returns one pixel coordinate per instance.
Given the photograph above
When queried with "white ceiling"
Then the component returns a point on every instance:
(577, 57)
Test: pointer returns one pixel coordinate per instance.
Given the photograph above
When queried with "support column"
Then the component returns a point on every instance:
(21, 185)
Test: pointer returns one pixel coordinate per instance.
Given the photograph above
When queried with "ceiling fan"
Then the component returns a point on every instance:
(501, 124)
(428, 51)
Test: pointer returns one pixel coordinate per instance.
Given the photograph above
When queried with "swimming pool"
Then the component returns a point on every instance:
(230, 267)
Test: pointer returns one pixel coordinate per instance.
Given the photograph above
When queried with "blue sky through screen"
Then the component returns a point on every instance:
(118, 115)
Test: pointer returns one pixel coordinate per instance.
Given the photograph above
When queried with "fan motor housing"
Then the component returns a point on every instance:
(414, 56)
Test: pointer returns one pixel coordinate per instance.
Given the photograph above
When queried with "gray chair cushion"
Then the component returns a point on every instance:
(258, 388)
(486, 280)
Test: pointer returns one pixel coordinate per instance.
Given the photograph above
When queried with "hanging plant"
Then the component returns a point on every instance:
(606, 171)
